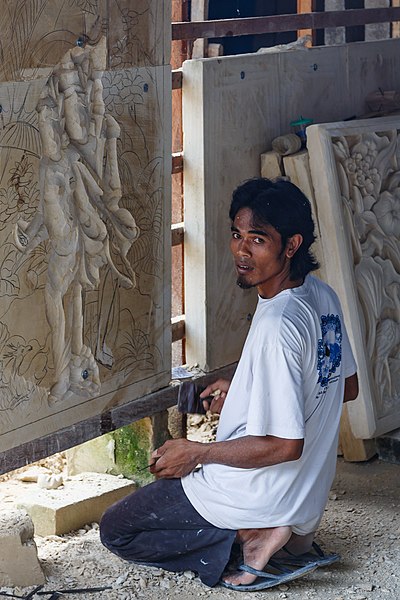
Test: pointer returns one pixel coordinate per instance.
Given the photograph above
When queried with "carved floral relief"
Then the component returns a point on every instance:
(368, 170)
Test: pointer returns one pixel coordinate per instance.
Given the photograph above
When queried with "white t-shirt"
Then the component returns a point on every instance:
(289, 383)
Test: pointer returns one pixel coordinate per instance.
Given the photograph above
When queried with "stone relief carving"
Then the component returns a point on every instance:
(123, 328)
(43, 30)
(368, 169)
(79, 210)
(66, 308)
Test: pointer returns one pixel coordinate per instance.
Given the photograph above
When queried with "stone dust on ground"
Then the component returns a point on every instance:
(361, 523)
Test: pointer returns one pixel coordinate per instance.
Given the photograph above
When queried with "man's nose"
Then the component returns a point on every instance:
(243, 248)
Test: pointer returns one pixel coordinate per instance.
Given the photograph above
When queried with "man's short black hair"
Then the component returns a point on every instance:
(282, 205)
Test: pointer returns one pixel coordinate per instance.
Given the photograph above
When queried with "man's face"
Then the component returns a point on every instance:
(259, 257)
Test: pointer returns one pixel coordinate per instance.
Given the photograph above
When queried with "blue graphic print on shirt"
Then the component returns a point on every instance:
(329, 348)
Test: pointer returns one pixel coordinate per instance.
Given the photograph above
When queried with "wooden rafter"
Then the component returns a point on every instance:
(278, 23)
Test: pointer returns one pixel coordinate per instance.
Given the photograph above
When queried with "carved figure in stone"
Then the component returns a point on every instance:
(369, 178)
(79, 210)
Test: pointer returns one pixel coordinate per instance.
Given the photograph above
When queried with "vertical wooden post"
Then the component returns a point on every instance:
(306, 6)
(179, 54)
(396, 24)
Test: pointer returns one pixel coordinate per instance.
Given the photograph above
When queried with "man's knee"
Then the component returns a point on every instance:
(108, 529)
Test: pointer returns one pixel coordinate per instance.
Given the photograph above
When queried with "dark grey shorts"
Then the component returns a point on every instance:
(158, 526)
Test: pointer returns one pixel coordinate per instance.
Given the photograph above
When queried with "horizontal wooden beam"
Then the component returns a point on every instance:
(177, 234)
(178, 328)
(177, 162)
(177, 79)
(277, 23)
(110, 420)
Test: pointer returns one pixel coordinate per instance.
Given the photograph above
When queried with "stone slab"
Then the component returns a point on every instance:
(260, 94)
(356, 175)
(19, 564)
(126, 331)
(81, 500)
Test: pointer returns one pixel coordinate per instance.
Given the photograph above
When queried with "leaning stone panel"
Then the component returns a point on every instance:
(84, 242)
(356, 176)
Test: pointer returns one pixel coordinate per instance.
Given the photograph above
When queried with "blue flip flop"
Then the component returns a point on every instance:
(316, 556)
(269, 578)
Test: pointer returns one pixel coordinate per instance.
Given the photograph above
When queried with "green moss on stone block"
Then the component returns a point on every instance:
(133, 448)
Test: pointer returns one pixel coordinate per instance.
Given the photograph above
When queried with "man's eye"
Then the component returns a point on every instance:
(258, 240)
(235, 235)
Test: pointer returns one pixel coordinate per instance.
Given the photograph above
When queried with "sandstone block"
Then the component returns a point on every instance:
(271, 165)
(19, 564)
(82, 499)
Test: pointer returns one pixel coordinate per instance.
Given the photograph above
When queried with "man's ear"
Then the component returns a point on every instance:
(293, 244)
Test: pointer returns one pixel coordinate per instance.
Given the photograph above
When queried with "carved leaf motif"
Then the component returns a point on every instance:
(343, 181)
(21, 19)
(386, 146)
(9, 280)
(387, 211)
(88, 6)
(341, 148)
(136, 349)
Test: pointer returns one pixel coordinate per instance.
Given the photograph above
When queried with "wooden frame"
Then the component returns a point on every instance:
(273, 24)
(109, 420)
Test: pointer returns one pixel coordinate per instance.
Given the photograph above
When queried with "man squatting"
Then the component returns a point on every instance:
(264, 482)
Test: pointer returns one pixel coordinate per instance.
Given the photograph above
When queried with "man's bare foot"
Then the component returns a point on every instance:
(258, 547)
(297, 544)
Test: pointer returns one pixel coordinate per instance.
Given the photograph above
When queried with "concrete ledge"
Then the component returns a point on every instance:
(82, 499)
(19, 564)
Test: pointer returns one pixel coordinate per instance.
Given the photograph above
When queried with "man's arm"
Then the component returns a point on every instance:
(177, 458)
(350, 388)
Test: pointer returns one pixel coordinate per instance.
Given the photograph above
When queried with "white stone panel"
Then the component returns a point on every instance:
(126, 330)
(233, 108)
(356, 176)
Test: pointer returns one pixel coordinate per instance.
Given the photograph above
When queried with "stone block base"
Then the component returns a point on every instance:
(81, 500)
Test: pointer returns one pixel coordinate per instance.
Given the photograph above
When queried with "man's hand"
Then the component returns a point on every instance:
(177, 458)
(212, 400)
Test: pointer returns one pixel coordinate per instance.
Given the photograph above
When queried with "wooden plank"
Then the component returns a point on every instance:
(395, 24)
(279, 23)
(109, 420)
(306, 6)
